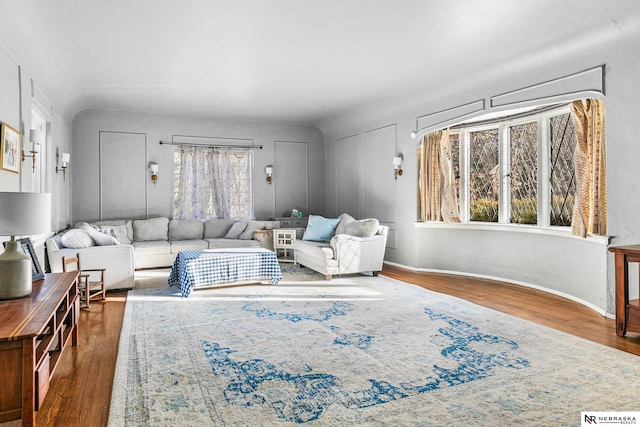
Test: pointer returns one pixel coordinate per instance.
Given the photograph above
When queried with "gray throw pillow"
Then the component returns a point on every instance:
(345, 220)
(247, 234)
(186, 229)
(118, 231)
(216, 228)
(363, 228)
(236, 229)
(145, 230)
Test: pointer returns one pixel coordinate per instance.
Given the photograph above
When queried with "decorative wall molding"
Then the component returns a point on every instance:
(588, 83)
(381, 147)
(348, 160)
(291, 176)
(40, 101)
(573, 86)
(444, 118)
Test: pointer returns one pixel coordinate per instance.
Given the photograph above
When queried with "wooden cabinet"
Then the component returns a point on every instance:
(34, 331)
(627, 311)
(287, 222)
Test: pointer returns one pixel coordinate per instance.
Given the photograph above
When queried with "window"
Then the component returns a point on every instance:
(518, 170)
(212, 183)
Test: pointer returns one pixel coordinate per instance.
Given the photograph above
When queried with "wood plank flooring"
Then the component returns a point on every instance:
(80, 391)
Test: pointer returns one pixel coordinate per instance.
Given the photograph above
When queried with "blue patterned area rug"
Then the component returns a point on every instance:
(354, 351)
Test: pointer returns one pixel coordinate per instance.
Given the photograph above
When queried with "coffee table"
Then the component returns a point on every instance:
(207, 267)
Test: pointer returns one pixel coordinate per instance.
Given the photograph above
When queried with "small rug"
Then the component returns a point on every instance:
(353, 351)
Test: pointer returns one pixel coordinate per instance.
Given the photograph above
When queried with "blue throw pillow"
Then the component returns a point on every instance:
(320, 229)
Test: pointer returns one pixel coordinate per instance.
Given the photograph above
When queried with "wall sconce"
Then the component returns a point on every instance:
(34, 138)
(153, 167)
(397, 166)
(63, 161)
(269, 171)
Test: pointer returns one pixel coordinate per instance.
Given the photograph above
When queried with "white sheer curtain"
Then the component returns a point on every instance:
(213, 183)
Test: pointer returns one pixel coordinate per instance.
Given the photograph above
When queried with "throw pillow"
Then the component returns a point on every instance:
(145, 230)
(185, 229)
(76, 239)
(118, 231)
(363, 228)
(236, 229)
(216, 228)
(123, 227)
(320, 229)
(247, 234)
(100, 238)
(345, 220)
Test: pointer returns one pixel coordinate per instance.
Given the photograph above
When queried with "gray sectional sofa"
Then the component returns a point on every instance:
(122, 246)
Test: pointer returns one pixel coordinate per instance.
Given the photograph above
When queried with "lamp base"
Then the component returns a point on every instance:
(15, 272)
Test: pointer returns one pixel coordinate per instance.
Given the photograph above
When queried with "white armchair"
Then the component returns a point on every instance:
(345, 253)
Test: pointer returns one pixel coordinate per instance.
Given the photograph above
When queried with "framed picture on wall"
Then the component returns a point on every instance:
(10, 149)
(27, 248)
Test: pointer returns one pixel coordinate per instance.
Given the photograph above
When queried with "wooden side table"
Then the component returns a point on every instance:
(627, 312)
(34, 331)
(283, 240)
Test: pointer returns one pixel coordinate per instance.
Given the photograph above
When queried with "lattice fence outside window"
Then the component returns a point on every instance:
(484, 175)
(523, 176)
(562, 172)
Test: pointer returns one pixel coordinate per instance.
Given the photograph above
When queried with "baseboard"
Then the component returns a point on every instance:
(502, 279)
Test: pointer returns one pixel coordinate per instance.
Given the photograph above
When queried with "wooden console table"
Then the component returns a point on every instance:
(34, 331)
(627, 312)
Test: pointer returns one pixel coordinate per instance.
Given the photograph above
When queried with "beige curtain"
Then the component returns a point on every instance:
(590, 207)
(437, 194)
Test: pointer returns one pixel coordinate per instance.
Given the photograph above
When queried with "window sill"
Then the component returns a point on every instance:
(564, 232)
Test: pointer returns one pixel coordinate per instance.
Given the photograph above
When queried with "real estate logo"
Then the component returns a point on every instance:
(609, 418)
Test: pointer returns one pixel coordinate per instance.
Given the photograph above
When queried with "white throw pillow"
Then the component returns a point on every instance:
(100, 238)
(363, 228)
(76, 239)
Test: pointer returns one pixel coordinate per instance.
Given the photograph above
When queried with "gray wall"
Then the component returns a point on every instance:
(19, 93)
(578, 268)
(295, 151)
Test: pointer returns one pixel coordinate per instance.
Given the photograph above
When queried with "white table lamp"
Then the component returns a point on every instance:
(21, 214)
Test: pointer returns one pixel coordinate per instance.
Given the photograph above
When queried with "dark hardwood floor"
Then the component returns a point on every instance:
(80, 391)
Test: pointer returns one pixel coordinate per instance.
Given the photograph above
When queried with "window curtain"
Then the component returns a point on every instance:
(212, 183)
(590, 206)
(437, 193)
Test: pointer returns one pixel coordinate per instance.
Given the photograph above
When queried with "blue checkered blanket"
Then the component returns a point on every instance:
(211, 266)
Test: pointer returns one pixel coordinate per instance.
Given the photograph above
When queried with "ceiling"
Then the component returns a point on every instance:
(284, 60)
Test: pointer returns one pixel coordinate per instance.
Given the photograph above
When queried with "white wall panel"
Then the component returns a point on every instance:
(379, 185)
(348, 160)
(290, 177)
(123, 173)
(9, 109)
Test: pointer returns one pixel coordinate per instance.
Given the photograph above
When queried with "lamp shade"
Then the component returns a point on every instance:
(397, 162)
(64, 158)
(24, 213)
(34, 135)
